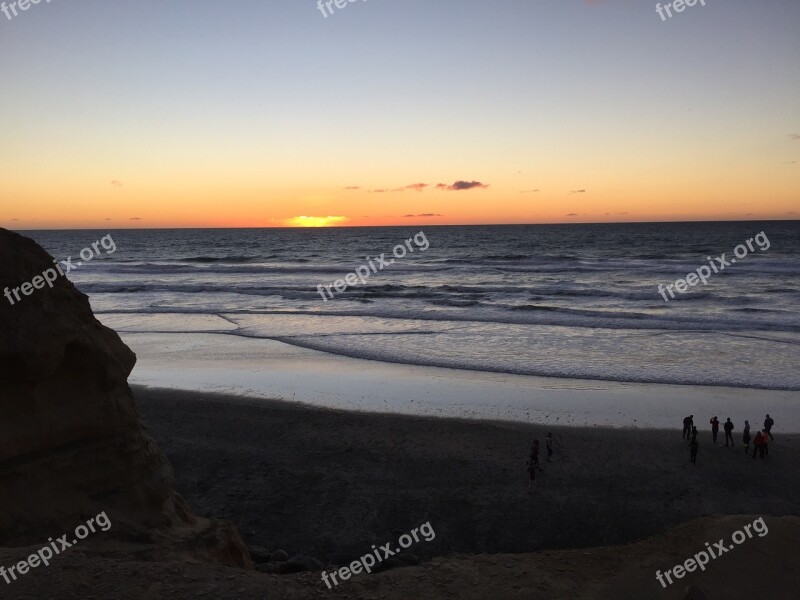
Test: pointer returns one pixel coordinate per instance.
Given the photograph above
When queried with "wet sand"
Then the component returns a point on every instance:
(265, 369)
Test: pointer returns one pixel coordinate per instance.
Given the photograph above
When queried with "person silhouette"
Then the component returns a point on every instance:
(746, 436)
(688, 422)
(768, 423)
(758, 442)
(728, 432)
(714, 428)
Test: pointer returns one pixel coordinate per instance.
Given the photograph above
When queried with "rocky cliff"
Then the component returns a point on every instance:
(71, 442)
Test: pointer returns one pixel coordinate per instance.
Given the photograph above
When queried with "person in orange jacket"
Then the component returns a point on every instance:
(758, 441)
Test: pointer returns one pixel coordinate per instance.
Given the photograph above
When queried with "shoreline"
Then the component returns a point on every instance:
(259, 368)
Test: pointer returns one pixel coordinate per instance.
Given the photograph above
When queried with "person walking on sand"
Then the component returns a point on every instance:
(688, 422)
(757, 441)
(728, 432)
(768, 423)
(549, 443)
(693, 445)
(746, 437)
(532, 474)
(714, 428)
(764, 443)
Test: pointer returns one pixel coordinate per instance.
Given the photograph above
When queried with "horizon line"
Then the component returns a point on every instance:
(416, 225)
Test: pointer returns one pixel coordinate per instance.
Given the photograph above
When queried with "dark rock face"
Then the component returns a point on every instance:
(71, 442)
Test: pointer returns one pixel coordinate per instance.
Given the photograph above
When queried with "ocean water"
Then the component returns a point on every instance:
(578, 301)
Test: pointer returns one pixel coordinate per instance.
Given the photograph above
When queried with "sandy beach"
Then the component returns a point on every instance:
(329, 483)
(613, 508)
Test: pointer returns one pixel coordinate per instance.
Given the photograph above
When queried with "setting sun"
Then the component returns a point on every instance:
(304, 221)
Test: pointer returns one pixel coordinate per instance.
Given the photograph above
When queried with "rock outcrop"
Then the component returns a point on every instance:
(71, 442)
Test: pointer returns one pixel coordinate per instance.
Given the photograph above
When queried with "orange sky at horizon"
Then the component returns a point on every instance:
(122, 205)
(618, 187)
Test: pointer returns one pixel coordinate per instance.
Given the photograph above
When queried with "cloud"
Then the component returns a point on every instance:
(572, 215)
(528, 191)
(424, 215)
(414, 186)
(135, 218)
(352, 187)
(116, 183)
(417, 187)
(108, 219)
(578, 192)
(794, 136)
(421, 187)
(461, 185)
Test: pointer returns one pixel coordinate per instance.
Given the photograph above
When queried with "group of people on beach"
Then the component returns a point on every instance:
(533, 461)
(760, 441)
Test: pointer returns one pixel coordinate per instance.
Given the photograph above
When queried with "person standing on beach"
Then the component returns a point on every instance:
(764, 443)
(714, 428)
(728, 432)
(746, 437)
(757, 441)
(688, 422)
(693, 445)
(768, 423)
(549, 443)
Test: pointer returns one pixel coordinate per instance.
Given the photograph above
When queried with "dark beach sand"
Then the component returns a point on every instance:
(329, 484)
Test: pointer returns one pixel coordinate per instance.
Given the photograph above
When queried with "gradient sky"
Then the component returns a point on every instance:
(160, 113)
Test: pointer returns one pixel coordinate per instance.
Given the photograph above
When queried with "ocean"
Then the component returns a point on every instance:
(574, 301)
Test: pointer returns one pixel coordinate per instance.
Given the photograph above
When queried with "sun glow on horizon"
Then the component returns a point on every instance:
(305, 221)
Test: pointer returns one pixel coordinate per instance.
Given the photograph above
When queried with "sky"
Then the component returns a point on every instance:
(264, 113)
